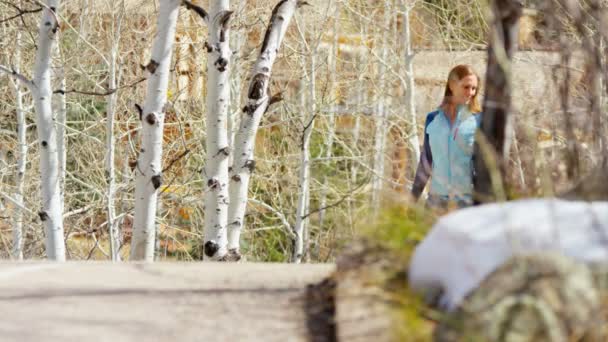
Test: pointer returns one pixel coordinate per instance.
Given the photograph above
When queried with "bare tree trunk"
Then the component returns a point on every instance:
(492, 146)
(149, 168)
(304, 181)
(42, 93)
(257, 103)
(410, 91)
(216, 162)
(113, 228)
(41, 89)
(17, 251)
(331, 119)
(380, 119)
(237, 40)
(60, 107)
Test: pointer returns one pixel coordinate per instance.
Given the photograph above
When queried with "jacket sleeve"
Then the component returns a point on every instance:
(474, 155)
(425, 165)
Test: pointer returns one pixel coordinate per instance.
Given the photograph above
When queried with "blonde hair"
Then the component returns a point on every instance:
(456, 74)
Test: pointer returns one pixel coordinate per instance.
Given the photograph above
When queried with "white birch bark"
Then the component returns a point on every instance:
(304, 176)
(237, 41)
(42, 92)
(380, 120)
(149, 168)
(361, 101)
(257, 104)
(113, 227)
(17, 250)
(410, 91)
(60, 108)
(216, 161)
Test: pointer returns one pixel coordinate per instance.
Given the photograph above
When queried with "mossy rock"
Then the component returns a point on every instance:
(533, 298)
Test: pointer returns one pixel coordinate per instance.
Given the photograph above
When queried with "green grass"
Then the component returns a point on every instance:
(397, 231)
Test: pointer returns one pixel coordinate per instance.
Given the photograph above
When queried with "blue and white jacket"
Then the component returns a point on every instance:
(447, 153)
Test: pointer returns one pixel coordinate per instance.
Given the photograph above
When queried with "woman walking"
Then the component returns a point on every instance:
(449, 134)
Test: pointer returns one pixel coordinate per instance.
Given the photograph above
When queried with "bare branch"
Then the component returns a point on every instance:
(338, 202)
(94, 93)
(20, 12)
(19, 77)
(174, 160)
(197, 9)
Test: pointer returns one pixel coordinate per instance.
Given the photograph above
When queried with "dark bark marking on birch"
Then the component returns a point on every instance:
(213, 184)
(224, 19)
(233, 255)
(208, 47)
(236, 178)
(221, 64)
(152, 66)
(224, 150)
(139, 110)
(43, 216)
(157, 181)
(250, 165)
(211, 248)
(249, 109)
(151, 119)
(271, 24)
(257, 87)
(44, 143)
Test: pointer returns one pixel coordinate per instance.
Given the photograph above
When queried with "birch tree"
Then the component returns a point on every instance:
(331, 117)
(149, 168)
(215, 172)
(41, 89)
(410, 90)
(60, 108)
(258, 102)
(299, 228)
(380, 118)
(17, 251)
(114, 234)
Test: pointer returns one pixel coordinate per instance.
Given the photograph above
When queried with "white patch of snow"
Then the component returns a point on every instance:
(464, 247)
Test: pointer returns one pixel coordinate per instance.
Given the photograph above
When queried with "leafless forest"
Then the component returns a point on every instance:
(353, 81)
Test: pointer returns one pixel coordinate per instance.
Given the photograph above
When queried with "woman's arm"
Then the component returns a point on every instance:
(425, 165)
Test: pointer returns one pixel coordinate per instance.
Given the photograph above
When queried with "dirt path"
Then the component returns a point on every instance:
(156, 302)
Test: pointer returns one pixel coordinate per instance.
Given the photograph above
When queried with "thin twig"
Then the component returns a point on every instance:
(338, 202)
(94, 93)
(19, 77)
(174, 160)
(21, 12)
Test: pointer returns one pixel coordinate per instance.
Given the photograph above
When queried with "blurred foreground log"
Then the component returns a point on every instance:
(538, 297)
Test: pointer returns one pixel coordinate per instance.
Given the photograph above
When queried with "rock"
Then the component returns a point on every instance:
(464, 247)
(538, 297)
